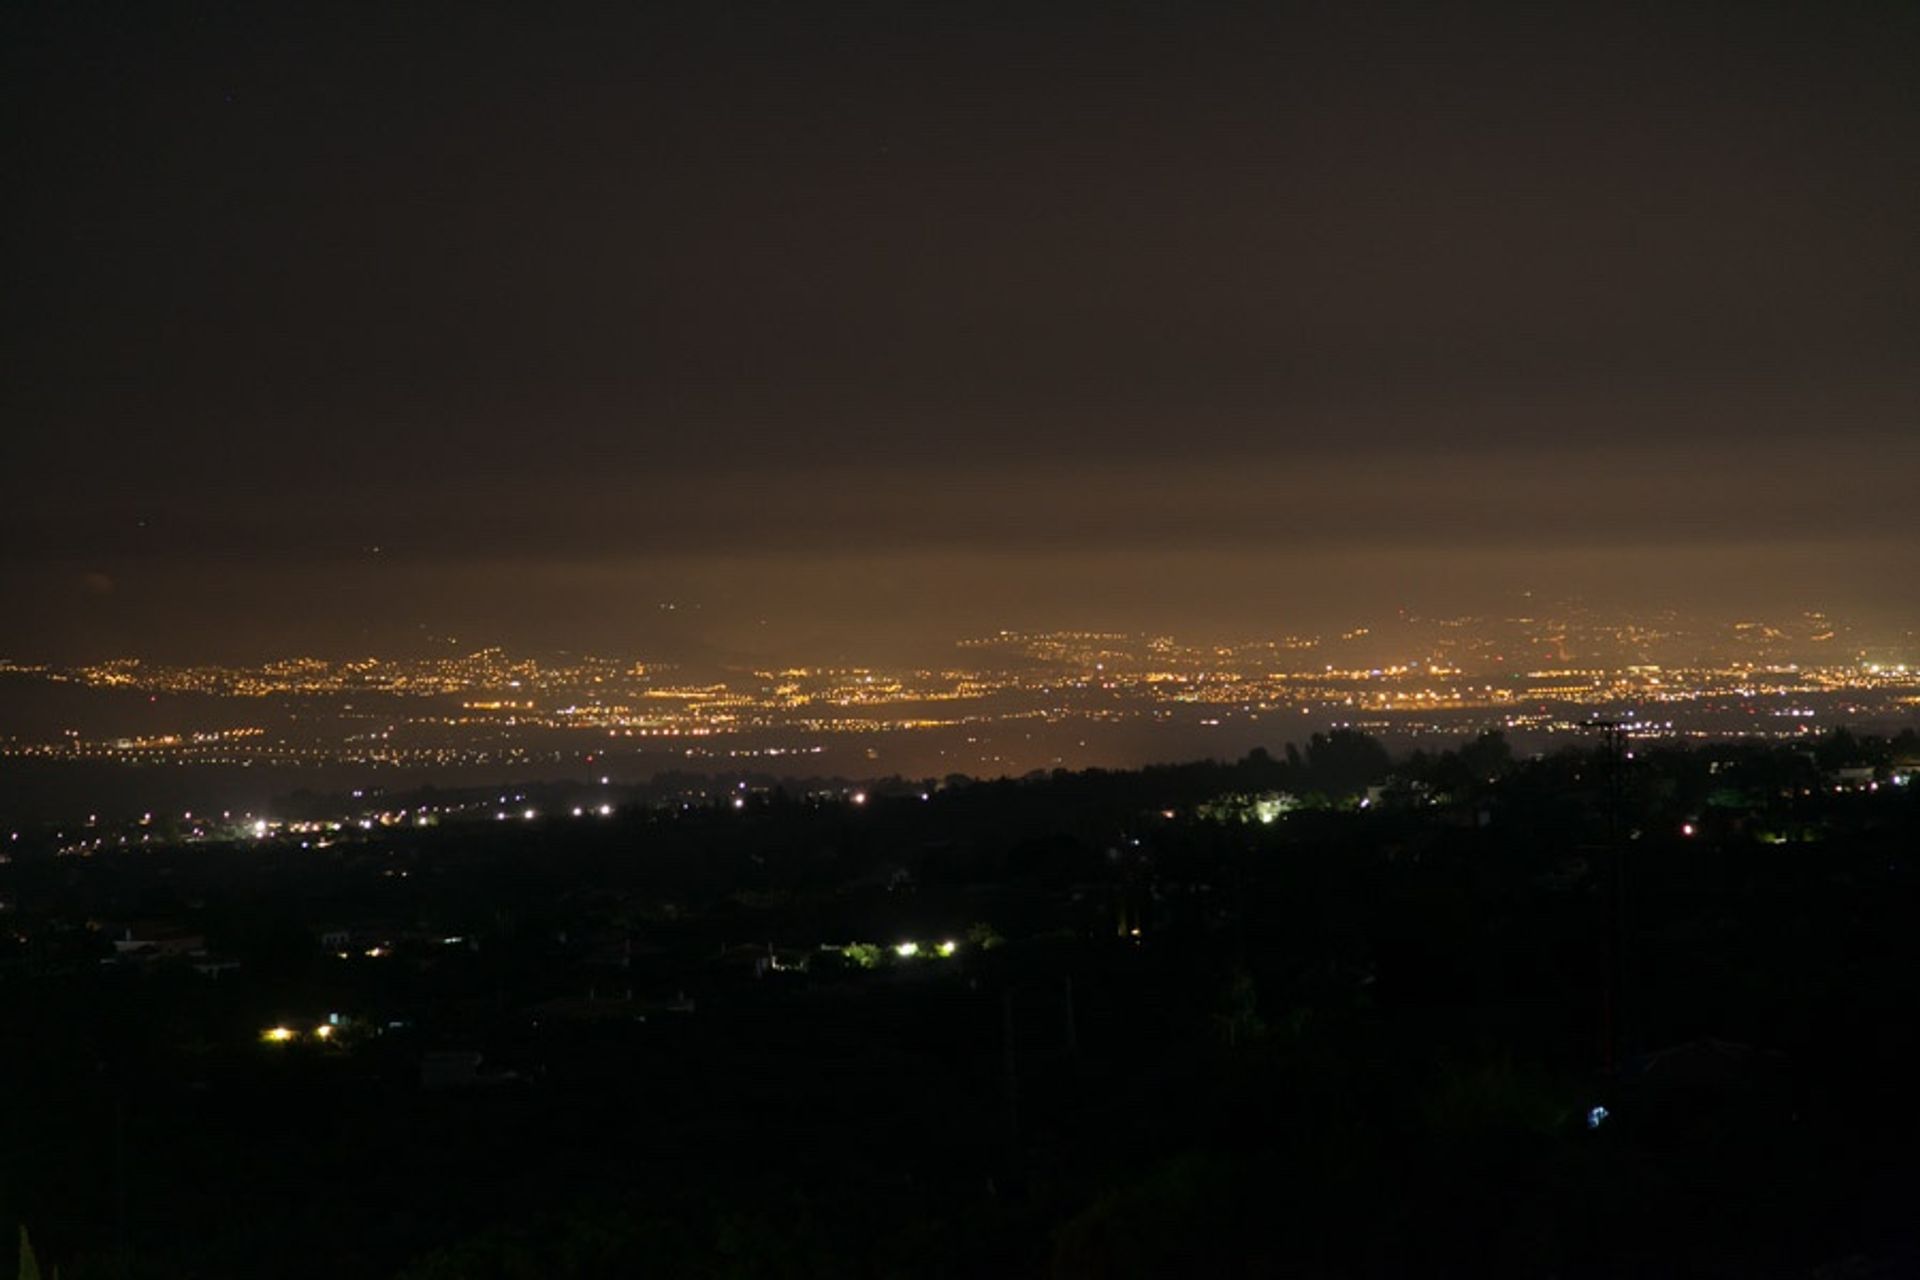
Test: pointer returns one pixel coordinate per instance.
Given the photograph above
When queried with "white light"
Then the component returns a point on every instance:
(260, 828)
(605, 810)
(907, 950)
(528, 815)
(859, 797)
(576, 811)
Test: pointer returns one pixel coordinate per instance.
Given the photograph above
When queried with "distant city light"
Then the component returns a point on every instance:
(907, 950)
(277, 1035)
(1424, 695)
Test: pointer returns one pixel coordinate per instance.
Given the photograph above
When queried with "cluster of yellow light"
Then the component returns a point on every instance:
(910, 950)
(503, 704)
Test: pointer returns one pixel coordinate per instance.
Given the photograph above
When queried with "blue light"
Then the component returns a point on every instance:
(1596, 1117)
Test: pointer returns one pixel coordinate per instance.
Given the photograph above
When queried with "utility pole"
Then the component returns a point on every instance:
(1613, 755)
(1013, 1070)
(1040, 1001)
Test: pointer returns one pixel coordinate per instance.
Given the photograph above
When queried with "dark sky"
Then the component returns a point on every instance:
(889, 323)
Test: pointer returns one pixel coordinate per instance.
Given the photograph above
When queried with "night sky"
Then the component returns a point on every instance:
(332, 328)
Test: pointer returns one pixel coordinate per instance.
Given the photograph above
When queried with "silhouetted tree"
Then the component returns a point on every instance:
(1488, 756)
(1345, 762)
(1839, 749)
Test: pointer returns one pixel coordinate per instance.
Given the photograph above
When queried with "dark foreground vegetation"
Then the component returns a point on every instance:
(1319, 1015)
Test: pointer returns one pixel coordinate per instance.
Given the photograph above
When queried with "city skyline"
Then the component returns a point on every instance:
(130, 735)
